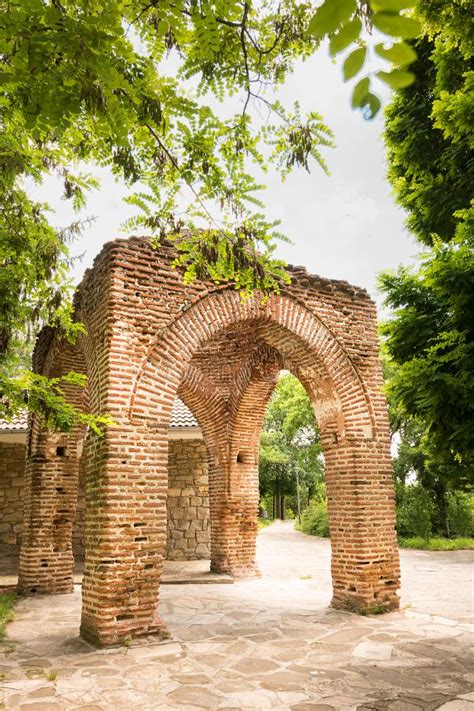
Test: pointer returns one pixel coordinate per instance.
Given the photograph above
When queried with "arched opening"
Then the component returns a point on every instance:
(291, 459)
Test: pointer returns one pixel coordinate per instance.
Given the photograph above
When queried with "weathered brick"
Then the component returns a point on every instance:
(150, 338)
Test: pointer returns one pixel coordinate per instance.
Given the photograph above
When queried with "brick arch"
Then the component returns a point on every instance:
(146, 330)
(247, 420)
(201, 396)
(291, 329)
(227, 427)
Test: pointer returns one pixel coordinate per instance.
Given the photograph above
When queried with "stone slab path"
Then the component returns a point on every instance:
(176, 572)
(271, 643)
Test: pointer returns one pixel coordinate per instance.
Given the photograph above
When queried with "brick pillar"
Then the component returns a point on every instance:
(233, 498)
(51, 484)
(365, 561)
(125, 533)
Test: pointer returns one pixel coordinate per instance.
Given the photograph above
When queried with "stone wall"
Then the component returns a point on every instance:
(12, 489)
(188, 501)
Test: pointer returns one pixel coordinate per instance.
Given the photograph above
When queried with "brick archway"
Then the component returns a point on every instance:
(289, 326)
(155, 338)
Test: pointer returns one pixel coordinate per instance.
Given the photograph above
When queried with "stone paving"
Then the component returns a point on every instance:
(271, 643)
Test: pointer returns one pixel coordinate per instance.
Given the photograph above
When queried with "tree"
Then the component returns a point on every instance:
(429, 339)
(290, 448)
(428, 135)
(87, 81)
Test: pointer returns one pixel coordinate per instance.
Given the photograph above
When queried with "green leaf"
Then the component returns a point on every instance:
(360, 92)
(396, 25)
(392, 5)
(354, 62)
(346, 35)
(400, 54)
(364, 99)
(398, 79)
(330, 15)
(372, 106)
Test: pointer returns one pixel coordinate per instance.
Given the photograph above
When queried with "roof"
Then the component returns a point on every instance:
(181, 417)
(17, 424)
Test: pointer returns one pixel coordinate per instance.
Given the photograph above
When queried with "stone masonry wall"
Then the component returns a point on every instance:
(12, 489)
(188, 501)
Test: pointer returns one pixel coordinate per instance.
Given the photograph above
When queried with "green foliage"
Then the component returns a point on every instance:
(429, 143)
(265, 522)
(430, 342)
(401, 54)
(414, 511)
(418, 460)
(45, 397)
(397, 78)
(394, 25)
(437, 544)
(345, 20)
(430, 337)
(348, 33)
(460, 514)
(314, 520)
(7, 601)
(289, 444)
(354, 62)
(330, 15)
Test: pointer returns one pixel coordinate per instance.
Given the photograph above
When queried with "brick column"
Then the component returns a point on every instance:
(125, 533)
(361, 502)
(51, 484)
(233, 498)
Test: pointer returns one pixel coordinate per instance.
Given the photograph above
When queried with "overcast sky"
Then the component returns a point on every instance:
(345, 226)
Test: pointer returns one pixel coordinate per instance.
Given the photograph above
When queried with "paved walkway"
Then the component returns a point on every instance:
(264, 644)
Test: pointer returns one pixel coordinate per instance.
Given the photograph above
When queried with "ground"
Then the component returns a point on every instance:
(270, 643)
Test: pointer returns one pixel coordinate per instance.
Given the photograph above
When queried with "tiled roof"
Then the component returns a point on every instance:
(17, 424)
(181, 416)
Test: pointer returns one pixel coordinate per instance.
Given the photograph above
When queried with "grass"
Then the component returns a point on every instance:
(437, 544)
(6, 611)
(264, 522)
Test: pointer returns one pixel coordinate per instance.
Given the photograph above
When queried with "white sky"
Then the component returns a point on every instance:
(345, 226)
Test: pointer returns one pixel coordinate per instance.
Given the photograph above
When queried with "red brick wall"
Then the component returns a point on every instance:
(149, 338)
(188, 525)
